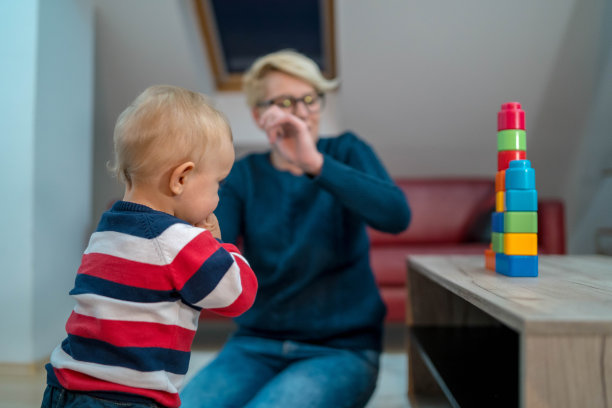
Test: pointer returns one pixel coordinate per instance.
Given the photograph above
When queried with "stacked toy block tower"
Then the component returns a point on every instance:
(514, 236)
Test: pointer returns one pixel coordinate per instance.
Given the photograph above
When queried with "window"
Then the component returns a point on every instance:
(236, 32)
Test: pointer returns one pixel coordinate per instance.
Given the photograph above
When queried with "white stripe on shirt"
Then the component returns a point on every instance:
(171, 313)
(152, 380)
(140, 249)
(235, 255)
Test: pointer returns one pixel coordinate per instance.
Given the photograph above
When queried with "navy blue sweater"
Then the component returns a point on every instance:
(305, 238)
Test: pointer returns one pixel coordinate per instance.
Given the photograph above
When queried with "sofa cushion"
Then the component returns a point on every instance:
(395, 300)
(551, 227)
(443, 210)
(389, 263)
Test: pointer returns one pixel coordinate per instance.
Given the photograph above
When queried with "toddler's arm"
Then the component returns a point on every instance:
(214, 275)
(245, 281)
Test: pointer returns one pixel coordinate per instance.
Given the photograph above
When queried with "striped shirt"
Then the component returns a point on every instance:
(143, 280)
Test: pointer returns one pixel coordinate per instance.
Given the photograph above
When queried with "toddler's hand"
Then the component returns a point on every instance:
(211, 224)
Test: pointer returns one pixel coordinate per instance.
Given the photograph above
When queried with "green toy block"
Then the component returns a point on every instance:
(511, 139)
(497, 242)
(521, 221)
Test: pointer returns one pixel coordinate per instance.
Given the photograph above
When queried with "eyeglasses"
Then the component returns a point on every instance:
(313, 102)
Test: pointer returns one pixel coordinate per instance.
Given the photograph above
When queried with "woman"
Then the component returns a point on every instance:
(314, 334)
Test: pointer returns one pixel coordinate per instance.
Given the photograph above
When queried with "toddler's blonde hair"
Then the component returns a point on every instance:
(165, 126)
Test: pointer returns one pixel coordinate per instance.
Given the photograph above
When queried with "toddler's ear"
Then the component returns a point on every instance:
(178, 177)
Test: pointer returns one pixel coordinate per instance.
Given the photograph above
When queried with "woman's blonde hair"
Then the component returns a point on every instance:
(165, 126)
(290, 62)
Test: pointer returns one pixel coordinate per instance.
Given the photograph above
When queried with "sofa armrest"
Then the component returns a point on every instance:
(551, 227)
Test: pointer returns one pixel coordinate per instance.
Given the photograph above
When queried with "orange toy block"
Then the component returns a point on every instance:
(500, 180)
(520, 244)
(490, 259)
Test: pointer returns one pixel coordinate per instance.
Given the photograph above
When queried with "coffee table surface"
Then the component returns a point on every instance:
(572, 294)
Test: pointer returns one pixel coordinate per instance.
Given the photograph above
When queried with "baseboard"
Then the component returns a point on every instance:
(23, 369)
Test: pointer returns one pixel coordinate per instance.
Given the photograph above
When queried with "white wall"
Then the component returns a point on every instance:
(590, 182)
(47, 81)
(18, 44)
(63, 161)
(139, 43)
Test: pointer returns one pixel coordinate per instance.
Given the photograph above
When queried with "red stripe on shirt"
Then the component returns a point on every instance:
(194, 252)
(230, 248)
(130, 333)
(75, 381)
(126, 272)
(147, 276)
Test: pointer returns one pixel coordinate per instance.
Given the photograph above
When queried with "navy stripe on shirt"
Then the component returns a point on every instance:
(98, 286)
(136, 358)
(123, 214)
(208, 276)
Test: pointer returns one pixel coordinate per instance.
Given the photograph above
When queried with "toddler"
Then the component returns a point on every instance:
(154, 262)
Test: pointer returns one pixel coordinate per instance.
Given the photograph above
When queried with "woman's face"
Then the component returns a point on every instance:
(278, 84)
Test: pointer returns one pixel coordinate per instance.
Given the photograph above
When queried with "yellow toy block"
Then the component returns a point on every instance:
(500, 202)
(520, 244)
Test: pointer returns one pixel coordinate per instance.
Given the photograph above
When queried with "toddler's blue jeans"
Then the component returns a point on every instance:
(60, 398)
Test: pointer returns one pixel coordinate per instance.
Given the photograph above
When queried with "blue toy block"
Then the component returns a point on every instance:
(521, 200)
(520, 175)
(497, 222)
(516, 265)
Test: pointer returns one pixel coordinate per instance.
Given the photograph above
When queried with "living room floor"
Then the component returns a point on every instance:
(24, 390)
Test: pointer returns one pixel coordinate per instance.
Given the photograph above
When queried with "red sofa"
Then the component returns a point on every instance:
(449, 216)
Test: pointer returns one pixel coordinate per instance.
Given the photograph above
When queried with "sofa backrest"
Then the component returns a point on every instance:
(444, 210)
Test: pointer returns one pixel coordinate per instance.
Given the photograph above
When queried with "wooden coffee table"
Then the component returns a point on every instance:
(484, 339)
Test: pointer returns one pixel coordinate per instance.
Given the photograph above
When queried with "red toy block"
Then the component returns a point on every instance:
(506, 156)
(511, 116)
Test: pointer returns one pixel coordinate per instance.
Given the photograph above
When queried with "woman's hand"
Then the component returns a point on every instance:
(291, 138)
(211, 224)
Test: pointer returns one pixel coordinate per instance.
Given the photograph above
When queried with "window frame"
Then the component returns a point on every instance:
(226, 81)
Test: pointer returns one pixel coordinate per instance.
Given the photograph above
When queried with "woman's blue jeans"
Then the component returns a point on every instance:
(256, 372)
